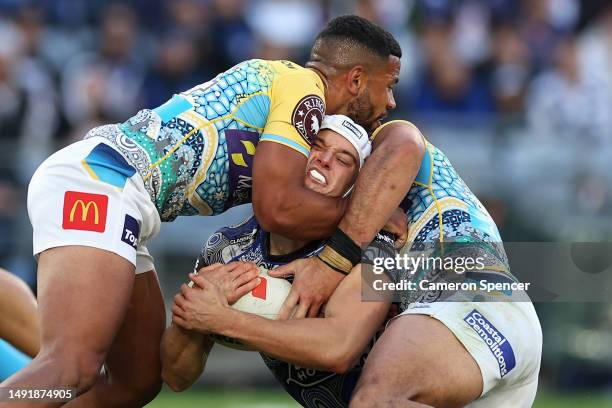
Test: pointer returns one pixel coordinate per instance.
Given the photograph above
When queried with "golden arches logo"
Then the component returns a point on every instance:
(85, 211)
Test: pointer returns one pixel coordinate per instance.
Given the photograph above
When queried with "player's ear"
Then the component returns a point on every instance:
(356, 80)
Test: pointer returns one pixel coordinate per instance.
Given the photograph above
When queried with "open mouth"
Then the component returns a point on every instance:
(318, 177)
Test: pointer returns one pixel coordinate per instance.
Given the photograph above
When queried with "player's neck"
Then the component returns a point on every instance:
(280, 245)
(335, 103)
(317, 69)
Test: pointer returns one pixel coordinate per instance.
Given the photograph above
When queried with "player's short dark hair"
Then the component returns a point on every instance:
(363, 32)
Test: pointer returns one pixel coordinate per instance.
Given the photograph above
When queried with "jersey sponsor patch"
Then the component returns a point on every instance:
(84, 211)
(494, 339)
(261, 290)
(241, 146)
(131, 231)
(307, 117)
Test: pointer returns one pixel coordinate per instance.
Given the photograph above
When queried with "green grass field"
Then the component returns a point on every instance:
(241, 398)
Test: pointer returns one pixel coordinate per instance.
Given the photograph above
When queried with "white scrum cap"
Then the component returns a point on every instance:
(355, 134)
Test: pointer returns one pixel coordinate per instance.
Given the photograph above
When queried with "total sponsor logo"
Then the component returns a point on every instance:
(131, 231)
(494, 339)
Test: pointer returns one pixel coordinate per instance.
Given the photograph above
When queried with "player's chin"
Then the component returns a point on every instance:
(316, 187)
(375, 125)
(372, 126)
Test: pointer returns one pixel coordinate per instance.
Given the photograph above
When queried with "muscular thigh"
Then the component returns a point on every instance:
(419, 359)
(132, 365)
(135, 351)
(83, 293)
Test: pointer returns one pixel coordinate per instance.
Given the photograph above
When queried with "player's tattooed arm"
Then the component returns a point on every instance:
(183, 354)
(282, 203)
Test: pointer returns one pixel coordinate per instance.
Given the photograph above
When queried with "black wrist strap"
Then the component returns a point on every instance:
(341, 253)
(345, 246)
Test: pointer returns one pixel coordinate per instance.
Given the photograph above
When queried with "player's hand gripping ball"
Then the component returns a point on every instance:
(265, 299)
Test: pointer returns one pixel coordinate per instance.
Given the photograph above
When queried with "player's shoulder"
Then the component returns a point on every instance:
(403, 125)
(275, 69)
(247, 227)
(228, 242)
(242, 232)
(297, 101)
(295, 78)
(287, 68)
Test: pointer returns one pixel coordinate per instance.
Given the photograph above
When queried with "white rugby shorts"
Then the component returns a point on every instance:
(505, 340)
(87, 194)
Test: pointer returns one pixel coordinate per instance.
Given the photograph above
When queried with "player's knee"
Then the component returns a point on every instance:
(373, 392)
(87, 365)
(148, 389)
(366, 395)
(175, 382)
(76, 367)
(139, 390)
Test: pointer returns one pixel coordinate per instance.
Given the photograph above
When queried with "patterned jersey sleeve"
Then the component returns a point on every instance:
(203, 259)
(228, 243)
(296, 111)
(211, 251)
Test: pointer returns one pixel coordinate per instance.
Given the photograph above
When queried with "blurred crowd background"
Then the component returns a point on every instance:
(518, 93)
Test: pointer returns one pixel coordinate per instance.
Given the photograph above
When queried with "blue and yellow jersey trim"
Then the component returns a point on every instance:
(106, 164)
(196, 150)
(437, 189)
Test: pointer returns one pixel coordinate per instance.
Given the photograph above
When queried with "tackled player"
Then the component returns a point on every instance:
(440, 352)
(337, 155)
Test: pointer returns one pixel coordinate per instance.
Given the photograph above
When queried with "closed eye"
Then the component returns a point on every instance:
(346, 160)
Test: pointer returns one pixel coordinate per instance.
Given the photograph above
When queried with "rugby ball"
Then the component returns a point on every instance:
(265, 301)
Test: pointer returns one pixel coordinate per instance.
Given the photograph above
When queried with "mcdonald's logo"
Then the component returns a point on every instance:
(84, 211)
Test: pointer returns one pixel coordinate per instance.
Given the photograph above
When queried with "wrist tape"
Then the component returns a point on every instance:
(341, 253)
